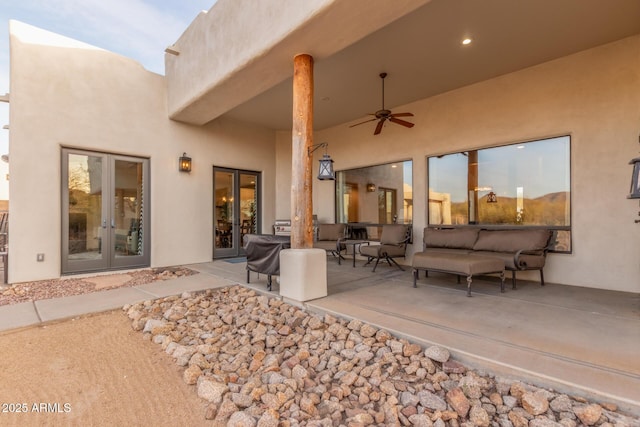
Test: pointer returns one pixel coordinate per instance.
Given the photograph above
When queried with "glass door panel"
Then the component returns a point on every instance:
(224, 212)
(103, 214)
(127, 218)
(84, 222)
(248, 205)
(236, 202)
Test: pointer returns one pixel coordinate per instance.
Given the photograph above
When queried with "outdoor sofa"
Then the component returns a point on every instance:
(472, 251)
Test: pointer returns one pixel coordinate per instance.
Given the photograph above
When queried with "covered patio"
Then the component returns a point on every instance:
(580, 341)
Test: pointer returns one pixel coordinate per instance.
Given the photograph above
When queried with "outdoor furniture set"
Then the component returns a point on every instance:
(334, 238)
(468, 251)
(474, 251)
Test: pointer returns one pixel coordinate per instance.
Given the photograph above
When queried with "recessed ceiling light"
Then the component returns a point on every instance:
(466, 41)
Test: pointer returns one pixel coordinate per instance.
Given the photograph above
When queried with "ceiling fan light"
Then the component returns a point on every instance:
(466, 41)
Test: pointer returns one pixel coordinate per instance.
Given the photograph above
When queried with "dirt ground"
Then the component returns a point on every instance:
(92, 371)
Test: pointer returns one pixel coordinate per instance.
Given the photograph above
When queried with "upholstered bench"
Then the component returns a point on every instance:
(461, 264)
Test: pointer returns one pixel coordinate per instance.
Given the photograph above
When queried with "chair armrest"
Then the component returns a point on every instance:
(522, 264)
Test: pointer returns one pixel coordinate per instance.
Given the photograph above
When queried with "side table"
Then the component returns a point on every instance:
(356, 245)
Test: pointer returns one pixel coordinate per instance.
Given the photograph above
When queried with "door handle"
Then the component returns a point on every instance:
(113, 223)
(104, 223)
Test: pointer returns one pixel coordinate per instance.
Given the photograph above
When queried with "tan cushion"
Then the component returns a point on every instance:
(454, 238)
(331, 231)
(512, 240)
(371, 250)
(463, 264)
(393, 234)
(327, 245)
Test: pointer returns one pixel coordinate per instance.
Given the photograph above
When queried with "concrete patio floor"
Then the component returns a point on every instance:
(580, 341)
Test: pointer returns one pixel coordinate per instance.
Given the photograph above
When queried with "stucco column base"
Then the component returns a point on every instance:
(303, 274)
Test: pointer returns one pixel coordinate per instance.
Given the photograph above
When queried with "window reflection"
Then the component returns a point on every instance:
(380, 194)
(526, 184)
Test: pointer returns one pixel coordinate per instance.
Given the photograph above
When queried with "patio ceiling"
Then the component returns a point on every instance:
(423, 55)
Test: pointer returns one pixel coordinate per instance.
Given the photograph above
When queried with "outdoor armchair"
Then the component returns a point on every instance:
(329, 238)
(393, 244)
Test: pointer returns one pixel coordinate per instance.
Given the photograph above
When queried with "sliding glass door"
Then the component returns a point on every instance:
(104, 211)
(236, 201)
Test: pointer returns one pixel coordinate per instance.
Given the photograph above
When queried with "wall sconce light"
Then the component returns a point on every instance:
(184, 163)
(492, 197)
(635, 179)
(325, 171)
(371, 187)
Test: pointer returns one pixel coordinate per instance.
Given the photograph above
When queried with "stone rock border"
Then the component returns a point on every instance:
(261, 362)
(69, 286)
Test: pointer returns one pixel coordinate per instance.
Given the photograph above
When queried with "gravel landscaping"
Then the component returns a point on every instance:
(69, 286)
(258, 361)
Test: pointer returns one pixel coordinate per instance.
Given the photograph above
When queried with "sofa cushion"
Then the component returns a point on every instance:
(512, 240)
(331, 231)
(452, 238)
(393, 234)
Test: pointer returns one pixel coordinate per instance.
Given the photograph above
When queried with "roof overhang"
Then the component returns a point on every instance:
(237, 59)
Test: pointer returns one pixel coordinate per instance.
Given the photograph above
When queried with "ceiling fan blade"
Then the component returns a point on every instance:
(361, 123)
(402, 115)
(401, 122)
(379, 127)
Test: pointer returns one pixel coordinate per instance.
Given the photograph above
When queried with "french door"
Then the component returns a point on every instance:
(236, 200)
(105, 218)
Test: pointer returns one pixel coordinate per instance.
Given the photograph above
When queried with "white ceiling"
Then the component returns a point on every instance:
(423, 55)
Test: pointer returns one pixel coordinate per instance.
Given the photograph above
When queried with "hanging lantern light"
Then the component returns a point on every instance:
(325, 171)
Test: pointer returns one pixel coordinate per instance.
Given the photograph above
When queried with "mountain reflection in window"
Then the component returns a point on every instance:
(526, 184)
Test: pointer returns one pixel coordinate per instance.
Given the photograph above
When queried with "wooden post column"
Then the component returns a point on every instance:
(302, 135)
(472, 186)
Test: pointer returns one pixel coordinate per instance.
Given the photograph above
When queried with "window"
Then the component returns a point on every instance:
(518, 185)
(380, 194)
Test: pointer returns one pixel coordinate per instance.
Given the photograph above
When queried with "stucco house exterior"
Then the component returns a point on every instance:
(95, 139)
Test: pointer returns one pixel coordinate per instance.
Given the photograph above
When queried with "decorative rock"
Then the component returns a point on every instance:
(453, 367)
(421, 420)
(561, 403)
(260, 361)
(268, 419)
(544, 422)
(431, 401)
(458, 401)
(588, 414)
(210, 390)
(191, 374)
(411, 350)
(437, 353)
(479, 417)
(517, 390)
(388, 388)
(367, 331)
(518, 419)
(241, 419)
(535, 403)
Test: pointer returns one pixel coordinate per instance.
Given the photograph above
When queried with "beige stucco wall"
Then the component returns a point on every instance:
(96, 100)
(593, 96)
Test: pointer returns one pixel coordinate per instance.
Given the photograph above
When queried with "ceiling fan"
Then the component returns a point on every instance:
(384, 114)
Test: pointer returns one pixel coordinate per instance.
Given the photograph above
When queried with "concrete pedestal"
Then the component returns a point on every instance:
(303, 274)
